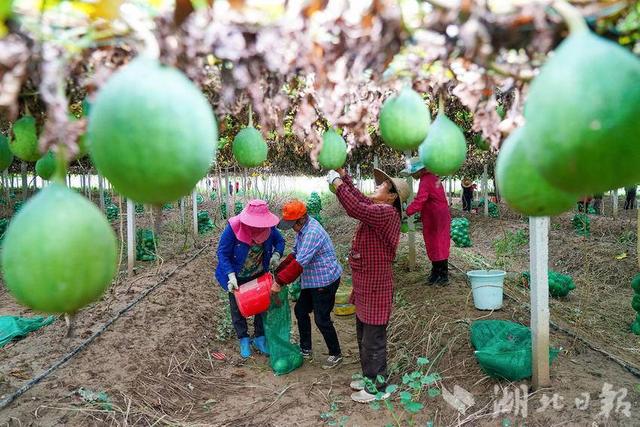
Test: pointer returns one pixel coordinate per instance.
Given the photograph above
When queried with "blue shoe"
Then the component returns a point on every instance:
(260, 343)
(245, 348)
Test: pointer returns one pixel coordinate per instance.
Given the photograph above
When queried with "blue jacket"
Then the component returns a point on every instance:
(232, 253)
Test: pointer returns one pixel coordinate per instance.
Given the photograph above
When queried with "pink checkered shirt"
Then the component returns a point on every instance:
(372, 253)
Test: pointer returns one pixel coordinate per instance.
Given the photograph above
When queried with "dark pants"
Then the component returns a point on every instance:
(466, 200)
(320, 301)
(631, 197)
(372, 343)
(239, 322)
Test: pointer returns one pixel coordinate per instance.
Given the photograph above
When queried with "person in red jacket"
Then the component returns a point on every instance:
(431, 202)
(372, 253)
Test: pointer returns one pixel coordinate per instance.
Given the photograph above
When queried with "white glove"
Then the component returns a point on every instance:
(232, 284)
(275, 261)
(332, 176)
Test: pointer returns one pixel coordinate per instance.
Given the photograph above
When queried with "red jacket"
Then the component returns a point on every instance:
(431, 202)
(372, 253)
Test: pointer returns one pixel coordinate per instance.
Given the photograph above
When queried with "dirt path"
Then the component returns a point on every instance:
(155, 363)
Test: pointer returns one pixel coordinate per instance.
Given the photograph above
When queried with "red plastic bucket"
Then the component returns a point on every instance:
(254, 297)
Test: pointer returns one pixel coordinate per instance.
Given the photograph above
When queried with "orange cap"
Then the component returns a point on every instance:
(293, 210)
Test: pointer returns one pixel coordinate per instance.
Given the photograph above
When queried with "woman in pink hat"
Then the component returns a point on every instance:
(249, 246)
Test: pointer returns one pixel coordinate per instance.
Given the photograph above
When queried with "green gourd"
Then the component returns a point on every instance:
(404, 120)
(24, 144)
(445, 149)
(522, 186)
(583, 113)
(59, 252)
(152, 132)
(249, 148)
(334, 150)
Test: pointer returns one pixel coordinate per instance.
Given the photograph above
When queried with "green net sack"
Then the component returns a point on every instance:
(314, 206)
(284, 357)
(294, 290)
(460, 232)
(582, 224)
(112, 213)
(503, 349)
(559, 284)
(4, 223)
(494, 211)
(146, 244)
(238, 207)
(204, 222)
(12, 327)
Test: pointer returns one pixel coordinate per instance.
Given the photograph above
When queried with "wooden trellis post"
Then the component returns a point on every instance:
(7, 184)
(614, 202)
(228, 196)
(410, 224)
(450, 191)
(485, 190)
(89, 195)
(131, 238)
(182, 210)
(538, 266)
(23, 171)
(101, 191)
(194, 202)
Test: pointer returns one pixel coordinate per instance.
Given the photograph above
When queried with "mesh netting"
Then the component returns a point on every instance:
(503, 349)
(284, 357)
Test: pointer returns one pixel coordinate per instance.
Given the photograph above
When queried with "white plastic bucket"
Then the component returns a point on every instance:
(487, 287)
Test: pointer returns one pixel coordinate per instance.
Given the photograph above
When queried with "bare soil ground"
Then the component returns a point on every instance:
(156, 364)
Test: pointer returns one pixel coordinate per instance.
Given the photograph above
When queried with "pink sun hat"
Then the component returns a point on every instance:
(257, 214)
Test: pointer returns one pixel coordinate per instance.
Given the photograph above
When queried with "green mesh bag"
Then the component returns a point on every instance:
(460, 232)
(503, 349)
(294, 290)
(284, 357)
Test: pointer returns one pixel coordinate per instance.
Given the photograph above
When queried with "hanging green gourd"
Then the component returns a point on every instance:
(77, 255)
(481, 143)
(152, 132)
(583, 113)
(24, 144)
(404, 120)
(249, 148)
(46, 166)
(445, 149)
(522, 186)
(334, 150)
(6, 156)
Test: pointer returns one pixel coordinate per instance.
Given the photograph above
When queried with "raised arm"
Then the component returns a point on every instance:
(362, 210)
(421, 197)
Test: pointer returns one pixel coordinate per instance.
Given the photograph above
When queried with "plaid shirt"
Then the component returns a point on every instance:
(372, 253)
(314, 252)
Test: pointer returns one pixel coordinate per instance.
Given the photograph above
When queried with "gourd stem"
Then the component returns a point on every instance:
(441, 104)
(571, 15)
(250, 116)
(60, 173)
(133, 17)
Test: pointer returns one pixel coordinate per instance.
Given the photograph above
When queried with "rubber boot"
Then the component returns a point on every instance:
(442, 273)
(434, 274)
(260, 343)
(245, 347)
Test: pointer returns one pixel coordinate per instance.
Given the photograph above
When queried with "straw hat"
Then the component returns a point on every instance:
(400, 185)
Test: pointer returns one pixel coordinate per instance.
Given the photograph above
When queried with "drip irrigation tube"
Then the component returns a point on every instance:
(6, 401)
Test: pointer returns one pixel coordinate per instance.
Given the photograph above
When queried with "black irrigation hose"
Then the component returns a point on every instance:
(626, 365)
(5, 402)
